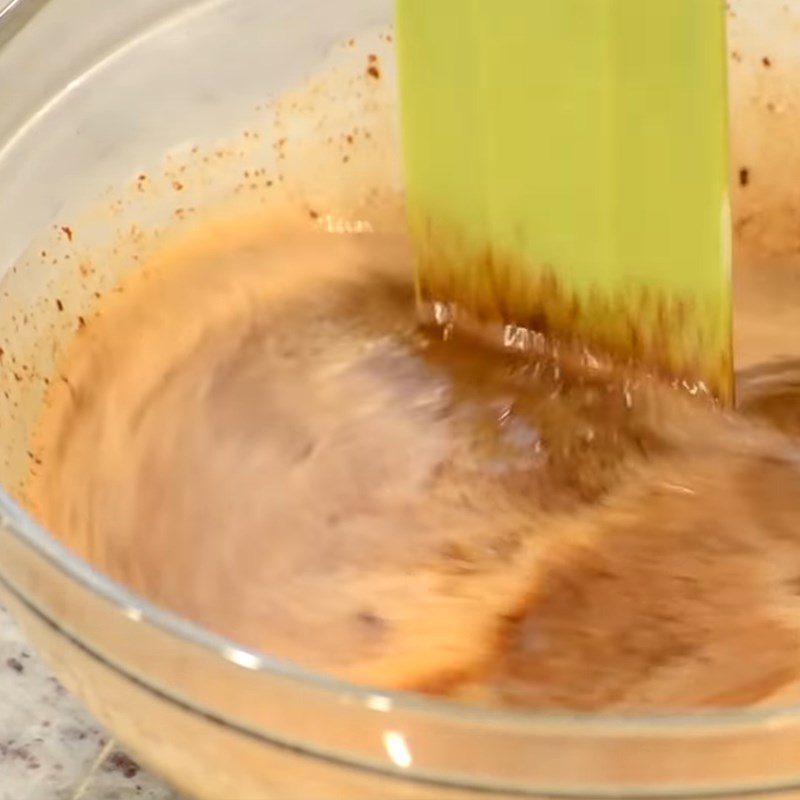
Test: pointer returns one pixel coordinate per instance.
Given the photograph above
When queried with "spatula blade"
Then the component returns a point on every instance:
(567, 171)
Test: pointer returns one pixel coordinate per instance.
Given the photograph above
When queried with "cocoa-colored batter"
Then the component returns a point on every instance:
(254, 433)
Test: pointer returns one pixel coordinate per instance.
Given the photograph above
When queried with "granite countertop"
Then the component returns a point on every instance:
(50, 746)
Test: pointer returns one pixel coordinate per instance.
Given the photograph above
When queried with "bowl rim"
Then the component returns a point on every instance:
(15, 14)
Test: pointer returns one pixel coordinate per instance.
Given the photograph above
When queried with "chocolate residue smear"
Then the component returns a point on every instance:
(255, 433)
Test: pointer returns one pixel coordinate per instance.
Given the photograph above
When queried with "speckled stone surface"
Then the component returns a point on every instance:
(50, 747)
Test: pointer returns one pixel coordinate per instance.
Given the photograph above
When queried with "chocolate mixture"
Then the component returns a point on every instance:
(255, 434)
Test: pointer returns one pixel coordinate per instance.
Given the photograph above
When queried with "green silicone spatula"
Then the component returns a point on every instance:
(567, 172)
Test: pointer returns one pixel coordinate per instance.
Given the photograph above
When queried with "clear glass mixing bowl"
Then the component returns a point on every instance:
(101, 106)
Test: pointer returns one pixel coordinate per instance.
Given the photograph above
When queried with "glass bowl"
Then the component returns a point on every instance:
(102, 107)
